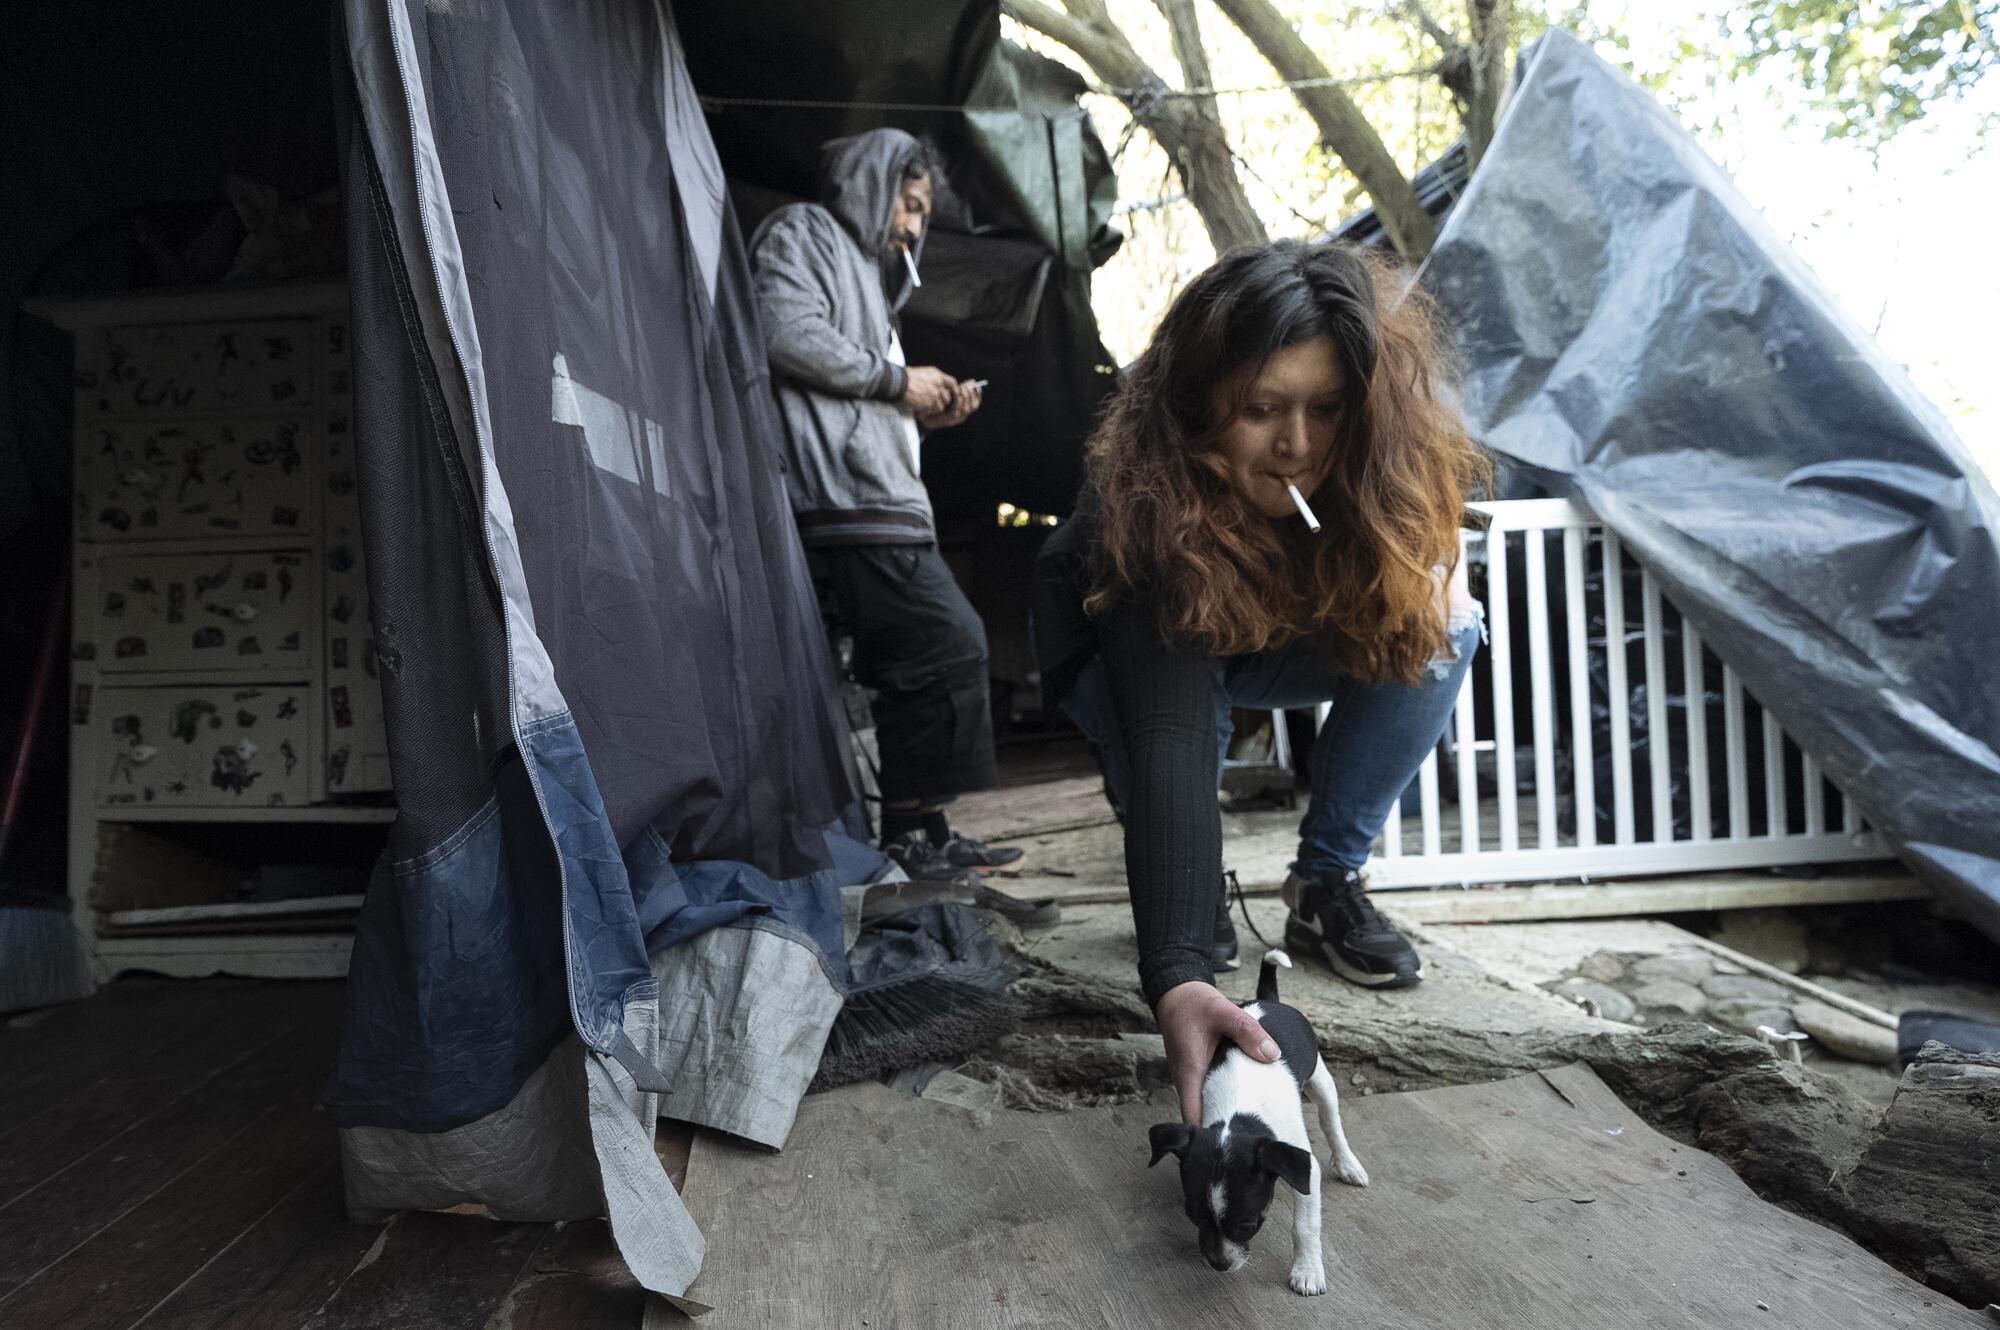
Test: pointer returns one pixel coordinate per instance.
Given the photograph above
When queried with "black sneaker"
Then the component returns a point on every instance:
(1222, 952)
(980, 857)
(1335, 921)
(922, 862)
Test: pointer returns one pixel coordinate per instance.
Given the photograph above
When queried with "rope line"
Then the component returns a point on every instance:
(1122, 94)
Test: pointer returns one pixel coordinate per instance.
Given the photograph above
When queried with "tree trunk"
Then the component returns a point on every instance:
(1187, 129)
(1489, 73)
(1342, 127)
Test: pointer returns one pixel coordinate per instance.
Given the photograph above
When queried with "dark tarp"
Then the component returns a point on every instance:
(1006, 293)
(1634, 333)
(626, 808)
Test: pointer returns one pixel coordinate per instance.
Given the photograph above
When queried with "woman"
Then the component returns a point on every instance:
(1189, 583)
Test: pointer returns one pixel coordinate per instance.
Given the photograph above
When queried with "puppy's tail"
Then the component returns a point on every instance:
(1267, 976)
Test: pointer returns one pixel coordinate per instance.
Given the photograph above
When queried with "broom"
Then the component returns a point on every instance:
(928, 985)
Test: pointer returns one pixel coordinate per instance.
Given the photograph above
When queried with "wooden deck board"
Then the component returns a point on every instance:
(1538, 1203)
(279, 1269)
(192, 1132)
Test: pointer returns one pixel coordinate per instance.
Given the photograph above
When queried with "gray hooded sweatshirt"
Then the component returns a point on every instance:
(828, 288)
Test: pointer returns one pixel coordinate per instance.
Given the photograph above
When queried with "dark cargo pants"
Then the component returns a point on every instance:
(921, 647)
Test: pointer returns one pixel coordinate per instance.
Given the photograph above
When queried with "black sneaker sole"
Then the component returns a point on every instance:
(1011, 866)
(1302, 941)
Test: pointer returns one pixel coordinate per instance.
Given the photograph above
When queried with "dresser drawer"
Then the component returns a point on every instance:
(234, 610)
(162, 369)
(202, 747)
(203, 479)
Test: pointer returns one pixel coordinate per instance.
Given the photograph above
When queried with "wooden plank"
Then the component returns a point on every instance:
(1509, 1203)
(41, 1224)
(1669, 895)
(135, 1030)
(279, 1269)
(1032, 810)
(364, 813)
(577, 1281)
(254, 956)
(673, 1141)
(234, 911)
(441, 1272)
(131, 1265)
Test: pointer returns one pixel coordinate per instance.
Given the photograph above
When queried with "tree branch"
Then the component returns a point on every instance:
(1447, 44)
(1185, 26)
(1342, 128)
(1187, 129)
(1489, 73)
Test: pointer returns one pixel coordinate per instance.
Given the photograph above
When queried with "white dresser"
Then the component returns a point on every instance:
(222, 665)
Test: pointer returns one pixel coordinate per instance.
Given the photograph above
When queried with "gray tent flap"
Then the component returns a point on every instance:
(1634, 332)
(619, 762)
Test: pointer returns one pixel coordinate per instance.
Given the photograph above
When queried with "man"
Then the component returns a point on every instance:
(830, 279)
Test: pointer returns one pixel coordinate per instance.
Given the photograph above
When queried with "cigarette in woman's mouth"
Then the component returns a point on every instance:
(910, 262)
(1299, 502)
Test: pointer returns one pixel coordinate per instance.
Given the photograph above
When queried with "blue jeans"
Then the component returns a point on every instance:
(1375, 739)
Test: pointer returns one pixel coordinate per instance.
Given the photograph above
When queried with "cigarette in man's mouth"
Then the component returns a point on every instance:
(1299, 502)
(910, 262)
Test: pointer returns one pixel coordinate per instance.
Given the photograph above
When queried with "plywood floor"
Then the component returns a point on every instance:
(164, 1164)
(1533, 1203)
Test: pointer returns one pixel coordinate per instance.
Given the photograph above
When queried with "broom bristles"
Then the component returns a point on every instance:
(932, 1018)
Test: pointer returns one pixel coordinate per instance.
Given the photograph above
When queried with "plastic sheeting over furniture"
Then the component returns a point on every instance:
(1634, 333)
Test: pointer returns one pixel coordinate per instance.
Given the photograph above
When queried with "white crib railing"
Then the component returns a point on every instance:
(1496, 827)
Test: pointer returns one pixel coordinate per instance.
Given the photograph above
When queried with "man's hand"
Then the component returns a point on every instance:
(965, 400)
(929, 391)
(1194, 1017)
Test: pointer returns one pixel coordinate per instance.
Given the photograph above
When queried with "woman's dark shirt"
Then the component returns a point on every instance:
(1162, 700)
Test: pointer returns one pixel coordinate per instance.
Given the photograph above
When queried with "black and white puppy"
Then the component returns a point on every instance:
(1253, 1134)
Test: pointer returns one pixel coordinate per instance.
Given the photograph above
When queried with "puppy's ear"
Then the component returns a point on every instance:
(1287, 1162)
(1170, 1136)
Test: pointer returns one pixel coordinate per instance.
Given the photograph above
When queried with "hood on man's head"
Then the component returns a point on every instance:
(859, 179)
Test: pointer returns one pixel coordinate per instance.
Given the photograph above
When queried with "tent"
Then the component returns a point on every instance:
(1634, 334)
(628, 851)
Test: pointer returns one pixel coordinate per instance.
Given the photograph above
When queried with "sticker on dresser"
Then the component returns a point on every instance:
(156, 369)
(183, 479)
(202, 747)
(235, 610)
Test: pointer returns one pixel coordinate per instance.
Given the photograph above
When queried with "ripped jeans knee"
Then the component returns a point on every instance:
(1465, 629)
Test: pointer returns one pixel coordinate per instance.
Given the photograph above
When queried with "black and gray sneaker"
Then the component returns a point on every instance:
(1222, 953)
(1335, 921)
(979, 856)
(924, 863)
(921, 861)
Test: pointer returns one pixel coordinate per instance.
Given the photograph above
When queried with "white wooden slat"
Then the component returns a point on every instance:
(1709, 845)
(1540, 689)
(1468, 754)
(1498, 629)
(1850, 816)
(1694, 673)
(1659, 744)
(1815, 795)
(1621, 698)
(1733, 744)
(1427, 791)
(1775, 813)
(1577, 621)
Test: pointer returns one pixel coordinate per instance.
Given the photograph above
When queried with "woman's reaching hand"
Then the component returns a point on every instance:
(1194, 1017)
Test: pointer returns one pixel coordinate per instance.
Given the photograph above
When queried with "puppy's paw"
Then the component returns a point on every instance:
(1353, 1175)
(1309, 1280)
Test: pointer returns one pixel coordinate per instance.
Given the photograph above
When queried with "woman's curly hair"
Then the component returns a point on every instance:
(1224, 577)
